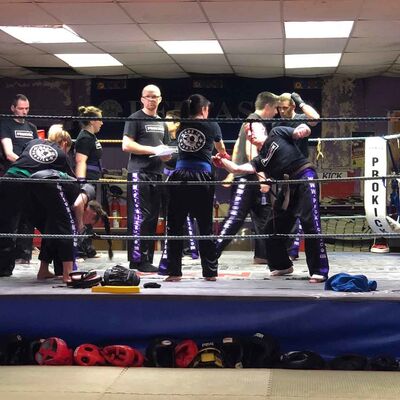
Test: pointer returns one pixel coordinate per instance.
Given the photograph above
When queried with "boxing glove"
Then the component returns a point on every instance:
(297, 99)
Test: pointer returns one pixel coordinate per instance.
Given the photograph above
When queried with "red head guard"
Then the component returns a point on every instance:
(88, 355)
(123, 356)
(185, 352)
(54, 351)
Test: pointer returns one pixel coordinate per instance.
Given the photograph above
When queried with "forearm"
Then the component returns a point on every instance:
(220, 146)
(310, 113)
(130, 146)
(80, 170)
(230, 166)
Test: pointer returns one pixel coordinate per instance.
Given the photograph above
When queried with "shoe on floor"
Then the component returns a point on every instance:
(281, 272)
(143, 267)
(380, 248)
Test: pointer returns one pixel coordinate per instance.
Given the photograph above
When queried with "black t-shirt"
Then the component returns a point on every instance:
(170, 164)
(40, 155)
(19, 133)
(196, 140)
(297, 120)
(88, 145)
(151, 132)
(279, 154)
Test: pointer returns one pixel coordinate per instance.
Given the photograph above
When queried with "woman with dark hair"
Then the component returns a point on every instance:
(196, 140)
(88, 153)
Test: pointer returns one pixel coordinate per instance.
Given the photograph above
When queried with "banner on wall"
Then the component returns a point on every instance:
(375, 197)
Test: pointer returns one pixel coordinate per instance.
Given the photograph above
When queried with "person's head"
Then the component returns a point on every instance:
(151, 98)
(256, 137)
(266, 103)
(20, 106)
(196, 106)
(94, 213)
(172, 125)
(92, 125)
(57, 134)
(286, 106)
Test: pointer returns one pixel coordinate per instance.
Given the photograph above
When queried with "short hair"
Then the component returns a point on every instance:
(89, 111)
(17, 98)
(57, 134)
(287, 97)
(264, 98)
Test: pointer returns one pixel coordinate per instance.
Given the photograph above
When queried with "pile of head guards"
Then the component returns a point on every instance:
(256, 351)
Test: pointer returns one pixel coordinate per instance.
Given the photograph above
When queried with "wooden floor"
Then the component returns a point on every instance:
(111, 383)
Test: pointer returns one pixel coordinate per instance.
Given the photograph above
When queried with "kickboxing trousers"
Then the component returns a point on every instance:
(246, 199)
(143, 203)
(197, 201)
(53, 214)
(14, 198)
(303, 204)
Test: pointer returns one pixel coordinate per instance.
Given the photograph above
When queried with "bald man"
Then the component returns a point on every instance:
(144, 138)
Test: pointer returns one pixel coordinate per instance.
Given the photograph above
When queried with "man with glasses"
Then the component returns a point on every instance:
(144, 138)
(287, 109)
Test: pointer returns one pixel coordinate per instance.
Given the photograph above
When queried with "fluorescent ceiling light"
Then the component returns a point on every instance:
(318, 29)
(191, 46)
(43, 34)
(89, 60)
(312, 60)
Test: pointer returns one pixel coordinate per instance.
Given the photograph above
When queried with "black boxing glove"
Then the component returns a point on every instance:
(297, 99)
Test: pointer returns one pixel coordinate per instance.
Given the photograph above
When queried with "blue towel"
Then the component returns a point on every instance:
(350, 283)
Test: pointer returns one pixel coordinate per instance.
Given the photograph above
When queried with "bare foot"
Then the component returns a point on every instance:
(172, 278)
(44, 275)
(317, 278)
(281, 272)
(210, 278)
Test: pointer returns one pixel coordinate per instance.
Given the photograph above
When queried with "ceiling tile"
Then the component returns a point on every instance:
(5, 63)
(19, 72)
(18, 49)
(312, 46)
(171, 12)
(256, 30)
(259, 46)
(71, 48)
(117, 70)
(382, 9)
(320, 10)
(109, 33)
(143, 58)
(256, 60)
(243, 11)
(362, 70)
(376, 29)
(87, 13)
(311, 72)
(44, 60)
(195, 31)
(129, 47)
(25, 13)
(207, 69)
(257, 72)
(208, 59)
(368, 58)
(373, 44)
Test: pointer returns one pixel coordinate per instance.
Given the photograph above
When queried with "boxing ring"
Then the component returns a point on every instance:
(243, 301)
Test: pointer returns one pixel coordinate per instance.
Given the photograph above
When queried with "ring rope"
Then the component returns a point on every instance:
(196, 183)
(221, 120)
(206, 237)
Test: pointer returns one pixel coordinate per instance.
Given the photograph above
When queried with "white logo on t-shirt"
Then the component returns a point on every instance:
(191, 140)
(20, 134)
(43, 153)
